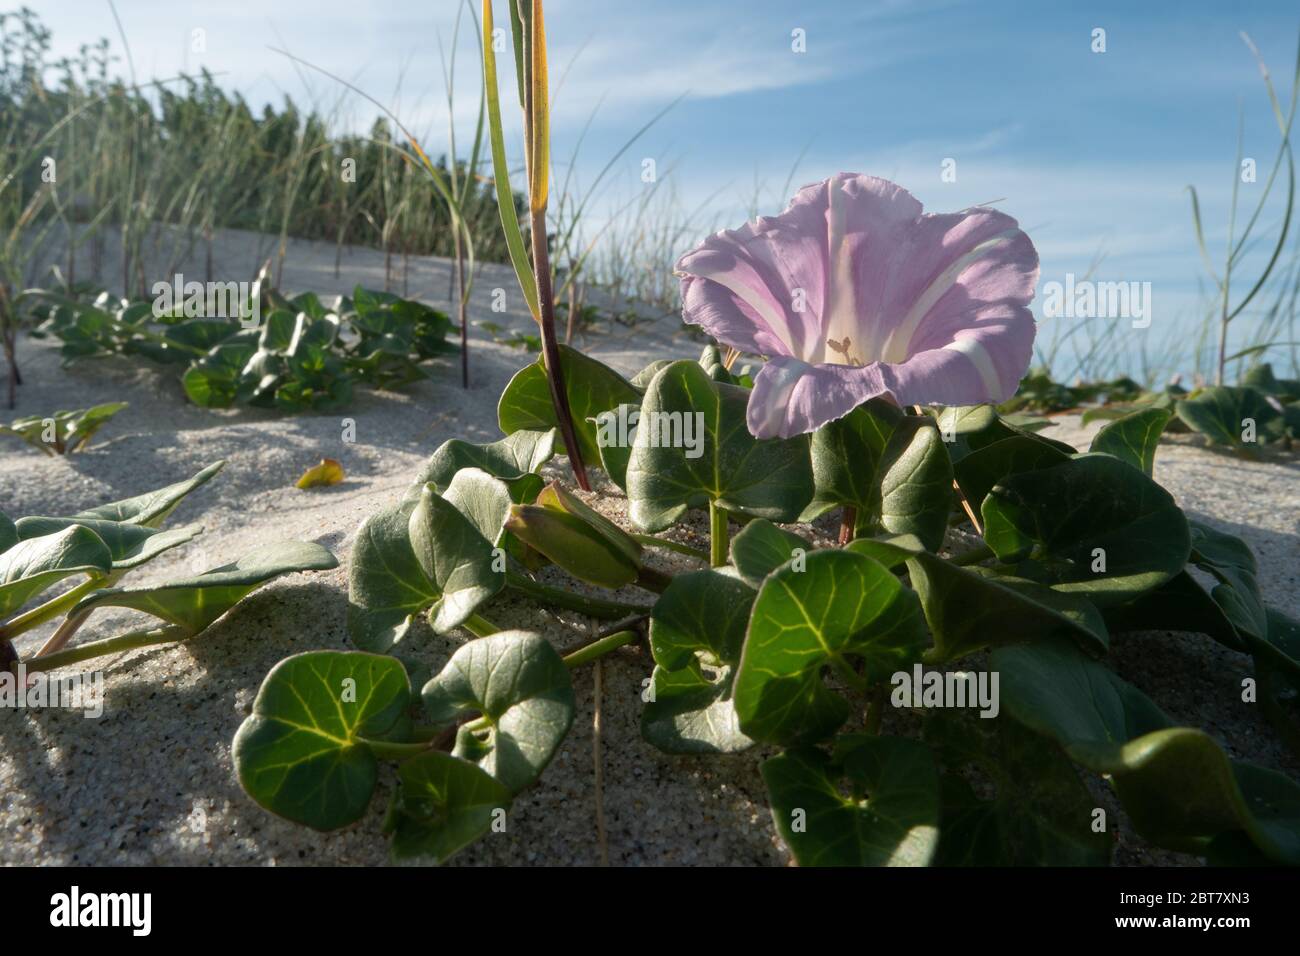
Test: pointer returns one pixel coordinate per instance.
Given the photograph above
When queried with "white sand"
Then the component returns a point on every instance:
(151, 781)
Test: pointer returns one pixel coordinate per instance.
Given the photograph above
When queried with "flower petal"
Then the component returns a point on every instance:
(791, 397)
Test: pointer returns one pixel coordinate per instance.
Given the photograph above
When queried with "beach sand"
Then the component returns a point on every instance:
(151, 781)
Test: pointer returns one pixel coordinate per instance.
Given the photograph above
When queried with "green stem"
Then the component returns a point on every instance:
(391, 750)
(597, 649)
(981, 552)
(717, 535)
(653, 542)
(50, 609)
(479, 626)
(652, 580)
(111, 645)
(849, 675)
(876, 698)
(592, 607)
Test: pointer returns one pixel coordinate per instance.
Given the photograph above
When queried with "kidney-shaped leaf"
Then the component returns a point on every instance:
(130, 545)
(592, 387)
(152, 508)
(1240, 417)
(697, 629)
(889, 817)
(512, 459)
(761, 547)
(441, 805)
(455, 556)
(386, 585)
(693, 447)
(892, 467)
(31, 566)
(195, 602)
(520, 686)
(1134, 438)
(972, 608)
(1094, 526)
(302, 753)
(1178, 786)
(842, 606)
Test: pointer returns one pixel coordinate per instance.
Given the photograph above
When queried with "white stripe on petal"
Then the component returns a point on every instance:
(897, 347)
(974, 350)
(728, 279)
(840, 320)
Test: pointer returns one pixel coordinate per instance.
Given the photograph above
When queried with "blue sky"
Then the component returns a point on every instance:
(1090, 151)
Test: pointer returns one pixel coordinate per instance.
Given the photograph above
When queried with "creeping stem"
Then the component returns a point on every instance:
(109, 645)
(717, 535)
(51, 608)
(651, 541)
(592, 607)
(599, 648)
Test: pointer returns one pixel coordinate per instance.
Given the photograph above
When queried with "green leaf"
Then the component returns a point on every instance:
(1178, 786)
(1180, 604)
(770, 478)
(214, 381)
(512, 459)
(1231, 562)
(8, 533)
(442, 804)
(761, 547)
(841, 606)
(386, 585)
(302, 753)
(1223, 415)
(130, 545)
(195, 602)
(968, 609)
(455, 556)
(520, 686)
(592, 388)
(70, 429)
(1092, 512)
(29, 567)
(889, 818)
(892, 467)
(1039, 813)
(1134, 438)
(979, 471)
(697, 629)
(153, 508)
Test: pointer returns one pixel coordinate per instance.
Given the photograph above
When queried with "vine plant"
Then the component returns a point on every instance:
(792, 650)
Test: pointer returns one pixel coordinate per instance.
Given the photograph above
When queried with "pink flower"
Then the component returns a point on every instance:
(853, 292)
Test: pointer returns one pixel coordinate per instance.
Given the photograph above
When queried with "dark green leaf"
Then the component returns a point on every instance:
(769, 478)
(840, 608)
(893, 468)
(697, 629)
(761, 547)
(890, 817)
(1093, 526)
(195, 602)
(1134, 438)
(302, 753)
(521, 687)
(442, 804)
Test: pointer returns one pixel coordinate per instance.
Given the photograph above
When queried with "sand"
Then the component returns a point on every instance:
(151, 781)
